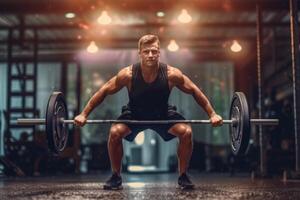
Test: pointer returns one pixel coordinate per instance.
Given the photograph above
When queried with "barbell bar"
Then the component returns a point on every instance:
(41, 121)
(56, 122)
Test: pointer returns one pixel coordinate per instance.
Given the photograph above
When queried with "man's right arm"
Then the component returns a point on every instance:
(110, 87)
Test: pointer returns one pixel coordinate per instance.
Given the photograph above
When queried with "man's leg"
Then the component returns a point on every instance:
(115, 145)
(115, 151)
(185, 148)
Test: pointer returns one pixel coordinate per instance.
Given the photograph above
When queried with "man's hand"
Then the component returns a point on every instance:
(216, 120)
(80, 120)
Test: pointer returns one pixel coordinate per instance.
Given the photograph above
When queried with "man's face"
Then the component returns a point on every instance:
(149, 54)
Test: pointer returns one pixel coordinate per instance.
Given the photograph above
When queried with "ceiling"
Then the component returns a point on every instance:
(215, 24)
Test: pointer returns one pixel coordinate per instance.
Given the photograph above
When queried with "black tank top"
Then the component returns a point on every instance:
(149, 100)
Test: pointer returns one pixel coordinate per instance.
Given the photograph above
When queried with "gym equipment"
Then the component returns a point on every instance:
(57, 123)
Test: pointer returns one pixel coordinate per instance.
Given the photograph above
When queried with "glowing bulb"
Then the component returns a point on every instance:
(70, 15)
(139, 139)
(104, 18)
(235, 47)
(92, 48)
(160, 14)
(173, 46)
(184, 17)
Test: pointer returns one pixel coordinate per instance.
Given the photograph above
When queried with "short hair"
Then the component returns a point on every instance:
(147, 39)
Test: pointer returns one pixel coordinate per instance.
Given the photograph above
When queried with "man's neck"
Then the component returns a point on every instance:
(149, 73)
(149, 69)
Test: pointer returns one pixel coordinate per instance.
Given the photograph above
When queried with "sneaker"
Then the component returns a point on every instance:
(113, 183)
(184, 182)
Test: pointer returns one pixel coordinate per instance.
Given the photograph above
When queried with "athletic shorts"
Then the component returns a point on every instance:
(161, 129)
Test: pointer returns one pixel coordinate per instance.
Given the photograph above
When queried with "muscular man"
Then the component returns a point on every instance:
(149, 84)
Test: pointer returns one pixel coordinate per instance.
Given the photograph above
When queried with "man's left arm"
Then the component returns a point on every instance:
(183, 83)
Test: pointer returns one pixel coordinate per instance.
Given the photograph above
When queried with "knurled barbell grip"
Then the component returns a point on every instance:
(40, 121)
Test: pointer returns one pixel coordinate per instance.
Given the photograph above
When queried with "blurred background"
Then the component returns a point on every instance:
(75, 46)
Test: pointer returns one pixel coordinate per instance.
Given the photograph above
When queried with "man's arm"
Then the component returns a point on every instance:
(110, 87)
(182, 82)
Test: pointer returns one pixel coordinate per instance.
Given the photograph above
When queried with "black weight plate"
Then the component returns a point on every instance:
(57, 132)
(240, 131)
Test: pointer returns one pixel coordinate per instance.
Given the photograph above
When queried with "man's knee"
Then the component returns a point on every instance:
(118, 132)
(186, 134)
(183, 132)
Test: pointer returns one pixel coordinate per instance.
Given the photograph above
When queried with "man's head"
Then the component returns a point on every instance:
(149, 50)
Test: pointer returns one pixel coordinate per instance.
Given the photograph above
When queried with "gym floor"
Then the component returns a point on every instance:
(148, 186)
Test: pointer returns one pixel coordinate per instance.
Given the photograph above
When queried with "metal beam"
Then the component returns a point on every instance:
(223, 25)
(81, 6)
(120, 41)
(71, 56)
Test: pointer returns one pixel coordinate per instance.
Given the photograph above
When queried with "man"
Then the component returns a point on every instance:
(149, 84)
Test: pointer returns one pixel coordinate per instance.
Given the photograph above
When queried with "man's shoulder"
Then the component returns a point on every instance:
(125, 73)
(175, 76)
(173, 72)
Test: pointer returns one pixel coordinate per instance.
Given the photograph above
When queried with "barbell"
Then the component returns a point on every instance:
(56, 122)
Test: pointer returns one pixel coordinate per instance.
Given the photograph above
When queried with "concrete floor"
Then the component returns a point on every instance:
(148, 186)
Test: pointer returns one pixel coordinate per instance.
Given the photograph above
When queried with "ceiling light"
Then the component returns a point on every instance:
(92, 48)
(70, 15)
(173, 46)
(160, 14)
(104, 18)
(236, 47)
(184, 17)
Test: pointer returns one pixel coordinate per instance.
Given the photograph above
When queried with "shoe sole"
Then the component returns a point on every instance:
(112, 188)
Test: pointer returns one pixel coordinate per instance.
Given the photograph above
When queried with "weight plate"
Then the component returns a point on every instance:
(57, 132)
(240, 130)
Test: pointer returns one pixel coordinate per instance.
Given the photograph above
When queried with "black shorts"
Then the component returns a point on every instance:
(161, 129)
